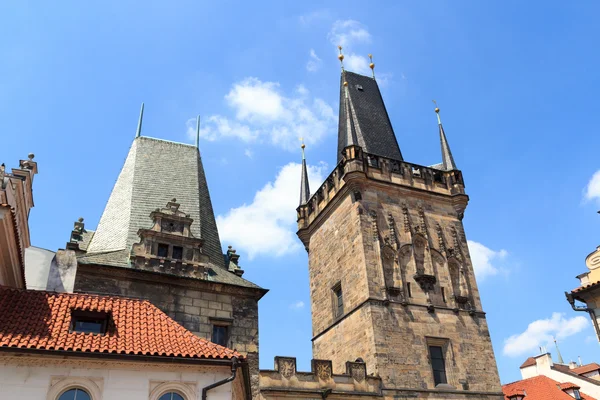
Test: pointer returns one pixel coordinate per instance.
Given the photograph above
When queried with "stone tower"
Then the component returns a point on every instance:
(391, 279)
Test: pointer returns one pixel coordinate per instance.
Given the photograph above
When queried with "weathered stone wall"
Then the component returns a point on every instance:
(193, 303)
(387, 325)
(337, 243)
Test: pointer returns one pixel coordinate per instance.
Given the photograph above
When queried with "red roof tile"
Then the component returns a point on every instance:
(585, 287)
(568, 385)
(584, 369)
(528, 363)
(42, 321)
(539, 388)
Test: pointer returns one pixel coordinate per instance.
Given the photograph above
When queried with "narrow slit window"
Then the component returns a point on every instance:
(338, 298)
(438, 364)
(408, 289)
(443, 294)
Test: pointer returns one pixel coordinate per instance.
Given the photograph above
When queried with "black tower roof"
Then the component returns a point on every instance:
(364, 120)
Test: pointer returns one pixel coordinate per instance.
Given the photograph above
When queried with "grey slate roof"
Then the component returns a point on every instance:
(447, 159)
(364, 120)
(154, 172)
(304, 187)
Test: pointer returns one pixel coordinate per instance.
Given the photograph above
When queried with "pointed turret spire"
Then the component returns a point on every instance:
(560, 359)
(447, 159)
(304, 188)
(364, 120)
(198, 132)
(138, 133)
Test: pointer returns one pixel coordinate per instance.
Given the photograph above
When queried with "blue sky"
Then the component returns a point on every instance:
(517, 84)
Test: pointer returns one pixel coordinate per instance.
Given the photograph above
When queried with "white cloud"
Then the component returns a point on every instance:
(249, 153)
(263, 113)
(297, 305)
(355, 63)
(482, 258)
(314, 63)
(314, 16)
(542, 332)
(267, 225)
(348, 32)
(592, 190)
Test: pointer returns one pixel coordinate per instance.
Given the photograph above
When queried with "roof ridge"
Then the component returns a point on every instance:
(165, 140)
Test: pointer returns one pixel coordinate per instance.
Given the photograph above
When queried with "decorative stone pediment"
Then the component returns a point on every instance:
(169, 246)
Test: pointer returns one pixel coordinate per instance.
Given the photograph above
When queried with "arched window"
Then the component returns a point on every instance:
(171, 396)
(75, 394)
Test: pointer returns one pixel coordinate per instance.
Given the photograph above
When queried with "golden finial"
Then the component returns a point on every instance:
(372, 65)
(341, 57)
(437, 112)
(345, 83)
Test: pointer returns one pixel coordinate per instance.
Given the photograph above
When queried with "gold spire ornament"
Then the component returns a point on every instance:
(437, 112)
(372, 65)
(341, 57)
(302, 146)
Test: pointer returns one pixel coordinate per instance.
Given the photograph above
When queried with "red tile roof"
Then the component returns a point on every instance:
(528, 363)
(584, 369)
(539, 388)
(585, 287)
(568, 385)
(42, 321)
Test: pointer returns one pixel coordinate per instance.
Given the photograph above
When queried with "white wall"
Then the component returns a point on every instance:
(35, 382)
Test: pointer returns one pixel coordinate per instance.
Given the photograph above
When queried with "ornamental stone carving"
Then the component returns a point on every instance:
(286, 366)
(323, 369)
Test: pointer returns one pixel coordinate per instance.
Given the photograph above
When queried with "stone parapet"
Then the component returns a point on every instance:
(357, 162)
(284, 381)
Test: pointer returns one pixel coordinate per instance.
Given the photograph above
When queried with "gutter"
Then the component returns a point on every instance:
(590, 311)
(234, 366)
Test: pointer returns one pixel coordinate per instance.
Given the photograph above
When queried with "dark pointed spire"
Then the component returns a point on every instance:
(304, 188)
(138, 132)
(447, 159)
(364, 120)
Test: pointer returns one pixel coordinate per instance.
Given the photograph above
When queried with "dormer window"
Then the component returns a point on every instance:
(89, 321)
(576, 394)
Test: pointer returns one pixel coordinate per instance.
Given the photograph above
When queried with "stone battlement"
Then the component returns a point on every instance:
(400, 173)
(285, 380)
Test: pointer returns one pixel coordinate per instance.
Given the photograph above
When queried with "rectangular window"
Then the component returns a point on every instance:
(408, 289)
(436, 353)
(443, 295)
(220, 335)
(89, 321)
(177, 252)
(338, 299)
(163, 250)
